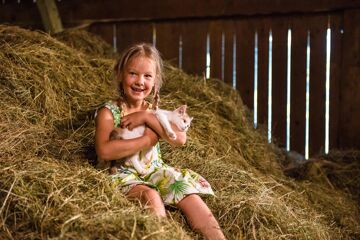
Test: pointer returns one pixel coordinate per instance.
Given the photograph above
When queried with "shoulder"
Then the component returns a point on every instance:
(104, 113)
(108, 110)
(112, 105)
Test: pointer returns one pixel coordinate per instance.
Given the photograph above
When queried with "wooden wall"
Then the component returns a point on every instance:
(232, 27)
(350, 82)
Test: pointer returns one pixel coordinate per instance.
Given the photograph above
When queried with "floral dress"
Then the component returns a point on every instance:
(173, 184)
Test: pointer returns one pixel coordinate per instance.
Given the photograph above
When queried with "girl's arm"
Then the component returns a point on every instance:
(108, 149)
(145, 117)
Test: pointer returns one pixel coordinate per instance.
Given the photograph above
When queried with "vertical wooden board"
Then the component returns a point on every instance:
(131, 33)
(263, 68)
(318, 25)
(245, 32)
(104, 30)
(167, 41)
(350, 82)
(279, 81)
(336, 25)
(298, 84)
(229, 30)
(215, 31)
(25, 15)
(194, 47)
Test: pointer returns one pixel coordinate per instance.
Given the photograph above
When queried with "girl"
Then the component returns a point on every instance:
(138, 74)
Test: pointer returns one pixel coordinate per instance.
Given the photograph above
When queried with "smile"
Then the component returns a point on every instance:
(135, 89)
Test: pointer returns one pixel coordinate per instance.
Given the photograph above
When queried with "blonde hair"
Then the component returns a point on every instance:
(140, 50)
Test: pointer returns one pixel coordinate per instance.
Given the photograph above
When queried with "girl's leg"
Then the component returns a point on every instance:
(200, 217)
(149, 197)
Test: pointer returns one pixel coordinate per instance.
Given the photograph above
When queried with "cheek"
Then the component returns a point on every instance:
(127, 82)
(150, 85)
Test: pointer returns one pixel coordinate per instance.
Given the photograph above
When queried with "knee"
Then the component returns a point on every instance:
(151, 196)
(153, 202)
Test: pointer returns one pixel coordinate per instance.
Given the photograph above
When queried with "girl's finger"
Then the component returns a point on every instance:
(123, 124)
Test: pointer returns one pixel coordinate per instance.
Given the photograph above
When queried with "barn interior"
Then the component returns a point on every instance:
(272, 86)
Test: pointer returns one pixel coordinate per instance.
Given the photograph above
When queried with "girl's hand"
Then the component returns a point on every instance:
(133, 120)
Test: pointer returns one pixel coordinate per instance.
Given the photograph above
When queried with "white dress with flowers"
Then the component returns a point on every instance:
(173, 184)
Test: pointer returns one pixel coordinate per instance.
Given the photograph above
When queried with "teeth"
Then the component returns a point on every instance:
(137, 89)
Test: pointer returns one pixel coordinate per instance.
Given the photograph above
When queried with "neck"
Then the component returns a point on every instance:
(135, 106)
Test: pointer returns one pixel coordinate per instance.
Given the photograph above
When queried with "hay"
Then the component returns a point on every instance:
(339, 169)
(86, 42)
(49, 91)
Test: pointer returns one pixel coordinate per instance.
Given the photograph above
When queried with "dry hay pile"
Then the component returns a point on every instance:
(339, 169)
(86, 42)
(48, 188)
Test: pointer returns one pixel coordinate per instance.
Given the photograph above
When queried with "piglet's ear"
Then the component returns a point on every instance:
(182, 109)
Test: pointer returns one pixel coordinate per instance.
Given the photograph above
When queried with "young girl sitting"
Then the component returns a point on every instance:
(138, 74)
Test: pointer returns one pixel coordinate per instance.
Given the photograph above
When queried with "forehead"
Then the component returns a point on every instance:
(142, 63)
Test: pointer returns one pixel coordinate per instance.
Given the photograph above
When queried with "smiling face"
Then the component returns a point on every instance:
(139, 77)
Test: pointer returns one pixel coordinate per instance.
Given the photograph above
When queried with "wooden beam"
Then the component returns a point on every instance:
(77, 12)
(50, 16)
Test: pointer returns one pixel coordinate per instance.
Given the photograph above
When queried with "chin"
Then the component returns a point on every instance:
(136, 95)
(139, 97)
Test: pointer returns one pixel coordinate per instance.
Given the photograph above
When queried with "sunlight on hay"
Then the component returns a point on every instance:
(50, 88)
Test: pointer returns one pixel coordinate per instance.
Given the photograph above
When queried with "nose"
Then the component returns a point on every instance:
(140, 80)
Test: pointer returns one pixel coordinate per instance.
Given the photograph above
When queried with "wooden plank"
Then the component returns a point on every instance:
(245, 31)
(298, 84)
(105, 31)
(263, 69)
(279, 28)
(350, 82)
(77, 12)
(167, 41)
(229, 30)
(318, 25)
(50, 16)
(126, 34)
(216, 31)
(131, 33)
(336, 24)
(194, 46)
(25, 14)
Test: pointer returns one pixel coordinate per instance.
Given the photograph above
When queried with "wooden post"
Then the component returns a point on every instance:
(50, 16)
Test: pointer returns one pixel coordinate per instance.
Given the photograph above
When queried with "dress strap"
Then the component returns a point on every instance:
(115, 110)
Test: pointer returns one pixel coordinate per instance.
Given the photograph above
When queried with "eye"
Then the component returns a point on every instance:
(148, 76)
(184, 121)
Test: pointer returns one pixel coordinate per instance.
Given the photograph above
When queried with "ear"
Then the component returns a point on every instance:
(181, 109)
